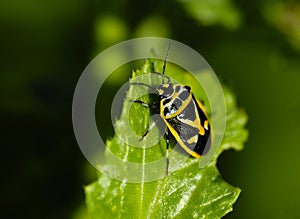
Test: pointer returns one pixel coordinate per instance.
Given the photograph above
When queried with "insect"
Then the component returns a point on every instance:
(183, 114)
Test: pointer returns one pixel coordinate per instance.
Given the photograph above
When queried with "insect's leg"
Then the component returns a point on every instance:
(167, 151)
(140, 102)
(152, 106)
(148, 130)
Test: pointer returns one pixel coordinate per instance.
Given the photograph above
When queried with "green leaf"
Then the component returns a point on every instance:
(189, 192)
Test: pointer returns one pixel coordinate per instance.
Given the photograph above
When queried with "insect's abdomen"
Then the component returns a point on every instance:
(185, 117)
(191, 132)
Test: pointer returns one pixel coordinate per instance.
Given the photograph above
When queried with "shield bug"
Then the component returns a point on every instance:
(183, 114)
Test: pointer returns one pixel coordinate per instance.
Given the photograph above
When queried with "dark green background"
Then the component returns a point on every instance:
(254, 47)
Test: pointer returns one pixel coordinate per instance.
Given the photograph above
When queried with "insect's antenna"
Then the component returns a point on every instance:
(165, 63)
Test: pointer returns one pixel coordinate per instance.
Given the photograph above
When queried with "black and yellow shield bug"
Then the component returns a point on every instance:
(183, 114)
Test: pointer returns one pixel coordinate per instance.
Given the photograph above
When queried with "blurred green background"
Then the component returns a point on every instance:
(253, 46)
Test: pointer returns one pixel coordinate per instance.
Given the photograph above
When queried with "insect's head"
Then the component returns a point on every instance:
(165, 90)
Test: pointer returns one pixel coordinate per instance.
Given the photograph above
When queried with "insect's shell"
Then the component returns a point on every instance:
(185, 117)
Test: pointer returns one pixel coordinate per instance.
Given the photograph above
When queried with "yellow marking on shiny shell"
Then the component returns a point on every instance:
(181, 108)
(206, 124)
(176, 93)
(195, 123)
(192, 140)
(175, 134)
(201, 131)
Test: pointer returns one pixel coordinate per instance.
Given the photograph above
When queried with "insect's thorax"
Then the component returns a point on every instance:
(174, 99)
